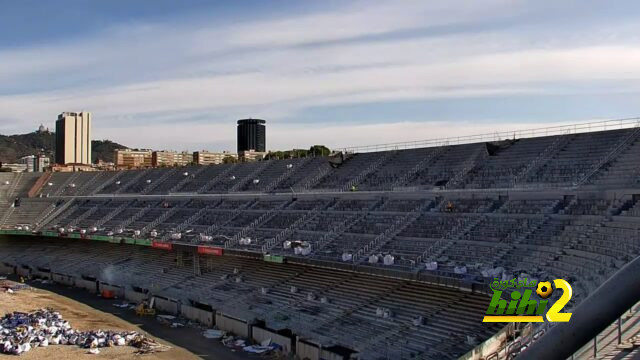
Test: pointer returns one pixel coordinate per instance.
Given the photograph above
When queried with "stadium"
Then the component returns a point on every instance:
(375, 252)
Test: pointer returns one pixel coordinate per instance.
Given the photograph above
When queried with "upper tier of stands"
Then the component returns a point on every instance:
(604, 159)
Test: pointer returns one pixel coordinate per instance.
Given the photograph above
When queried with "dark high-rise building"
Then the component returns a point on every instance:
(252, 135)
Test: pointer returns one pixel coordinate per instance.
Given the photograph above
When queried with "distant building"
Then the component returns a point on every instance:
(251, 155)
(211, 158)
(29, 161)
(170, 158)
(73, 138)
(252, 135)
(72, 168)
(41, 163)
(132, 158)
(15, 167)
(103, 165)
(35, 163)
(42, 129)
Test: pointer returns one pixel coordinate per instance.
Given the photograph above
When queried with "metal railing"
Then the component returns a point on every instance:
(501, 135)
(619, 332)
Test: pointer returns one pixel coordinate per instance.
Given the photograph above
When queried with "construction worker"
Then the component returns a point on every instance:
(449, 206)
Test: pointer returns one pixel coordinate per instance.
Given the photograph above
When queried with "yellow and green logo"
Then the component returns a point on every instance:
(521, 308)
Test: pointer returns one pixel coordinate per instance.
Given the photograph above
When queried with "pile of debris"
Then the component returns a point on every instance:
(236, 343)
(21, 332)
(10, 287)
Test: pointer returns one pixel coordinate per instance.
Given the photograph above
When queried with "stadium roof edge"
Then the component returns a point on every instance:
(594, 126)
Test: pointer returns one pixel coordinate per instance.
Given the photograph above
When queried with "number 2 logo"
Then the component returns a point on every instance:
(554, 314)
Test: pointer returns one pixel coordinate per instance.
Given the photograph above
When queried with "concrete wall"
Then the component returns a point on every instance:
(238, 327)
(489, 346)
(134, 296)
(86, 284)
(305, 350)
(63, 279)
(4, 269)
(167, 306)
(259, 335)
(41, 274)
(328, 355)
(195, 314)
(117, 290)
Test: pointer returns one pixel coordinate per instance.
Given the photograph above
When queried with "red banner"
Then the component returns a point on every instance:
(161, 245)
(209, 250)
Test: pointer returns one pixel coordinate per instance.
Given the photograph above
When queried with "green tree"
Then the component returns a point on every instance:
(319, 150)
(315, 150)
(229, 159)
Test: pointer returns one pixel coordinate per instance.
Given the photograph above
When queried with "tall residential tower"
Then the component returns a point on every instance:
(252, 135)
(73, 138)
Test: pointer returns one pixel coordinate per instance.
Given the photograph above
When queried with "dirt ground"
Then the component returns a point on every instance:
(81, 317)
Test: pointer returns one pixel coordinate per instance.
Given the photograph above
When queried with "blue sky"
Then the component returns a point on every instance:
(176, 74)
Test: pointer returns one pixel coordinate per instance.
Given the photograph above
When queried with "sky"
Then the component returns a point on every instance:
(176, 75)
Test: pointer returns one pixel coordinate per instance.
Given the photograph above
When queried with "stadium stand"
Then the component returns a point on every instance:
(383, 254)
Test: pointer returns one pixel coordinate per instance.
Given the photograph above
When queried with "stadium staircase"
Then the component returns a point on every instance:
(137, 177)
(187, 179)
(65, 185)
(6, 216)
(191, 219)
(213, 227)
(540, 160)
(478, 156)
(253, 175)
(420, 166)
(307, 217)
(61, 214)
(135, 217)
(209, 184)
(53, 212)
(12, 193)
(165, 215)
(74, 222)
(315, 179)
(109, 180)
(268, 215)
(396, 228)
(42, 180)
(113, 213)
(336, 231)
(388, 156)
(287, 174)
(157, 182)
(621, 146)
(84, 188)
(183, 225)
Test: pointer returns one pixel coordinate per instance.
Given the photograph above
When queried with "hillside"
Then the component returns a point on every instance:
(13, 147)
(103, 150)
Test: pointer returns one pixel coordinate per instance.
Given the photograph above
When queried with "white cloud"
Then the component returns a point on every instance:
(368, 18)
(156, 76)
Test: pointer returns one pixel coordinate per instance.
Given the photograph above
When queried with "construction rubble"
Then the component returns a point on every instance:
(21, 332)
(237, 343)
(11, 287)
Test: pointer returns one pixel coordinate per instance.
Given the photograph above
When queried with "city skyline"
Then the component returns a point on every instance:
(335, 73)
